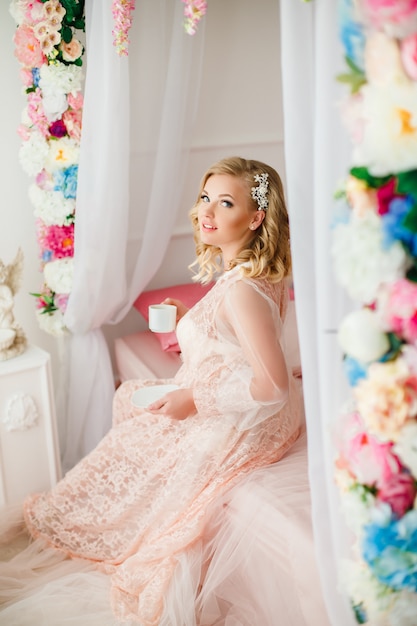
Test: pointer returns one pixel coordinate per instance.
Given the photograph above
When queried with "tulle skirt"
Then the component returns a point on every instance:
(254, 566)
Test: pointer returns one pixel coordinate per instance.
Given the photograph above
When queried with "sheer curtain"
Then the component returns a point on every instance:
(133, 159)
(317, 158)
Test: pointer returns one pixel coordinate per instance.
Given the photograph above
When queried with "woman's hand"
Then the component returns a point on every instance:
(177, 405)
(181, 308)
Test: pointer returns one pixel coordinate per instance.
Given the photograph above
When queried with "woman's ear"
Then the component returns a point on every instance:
(257, 220)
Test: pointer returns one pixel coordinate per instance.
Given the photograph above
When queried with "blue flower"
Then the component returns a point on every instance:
(36, 76)
(393, 224)
(66, 181)
(354, 370)
(390, 549)
(46, 255)
(351, 34)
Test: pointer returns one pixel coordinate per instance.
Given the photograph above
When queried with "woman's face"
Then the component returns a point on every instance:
(226, 215)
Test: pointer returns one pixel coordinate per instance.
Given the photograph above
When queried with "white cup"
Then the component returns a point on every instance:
(162, 318)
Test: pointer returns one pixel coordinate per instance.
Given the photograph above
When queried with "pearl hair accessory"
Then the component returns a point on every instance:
(259, 193)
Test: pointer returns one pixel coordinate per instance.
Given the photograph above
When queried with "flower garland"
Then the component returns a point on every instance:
(122, 11)
(122, 15)
(51, 59)
(194, 10)
(375, 259)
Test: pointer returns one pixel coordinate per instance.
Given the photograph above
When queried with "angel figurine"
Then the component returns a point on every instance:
(12, 338)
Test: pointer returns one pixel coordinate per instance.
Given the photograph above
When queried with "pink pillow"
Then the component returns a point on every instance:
(189, 294)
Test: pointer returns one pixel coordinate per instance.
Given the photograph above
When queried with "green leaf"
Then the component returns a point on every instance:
(69, 11)
(407, 183)
(410, 220)
(355, 78)
(412, 272)
(79, 24)
(66, 34)
(362, 173)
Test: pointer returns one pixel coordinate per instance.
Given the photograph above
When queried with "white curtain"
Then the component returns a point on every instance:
(134, 151)
(317, 158)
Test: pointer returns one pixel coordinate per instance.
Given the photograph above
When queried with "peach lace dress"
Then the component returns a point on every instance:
(136, 511)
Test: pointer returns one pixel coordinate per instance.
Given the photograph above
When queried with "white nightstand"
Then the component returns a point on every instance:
(29, 454)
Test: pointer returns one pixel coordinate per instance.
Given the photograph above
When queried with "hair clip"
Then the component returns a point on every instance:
(259, 193)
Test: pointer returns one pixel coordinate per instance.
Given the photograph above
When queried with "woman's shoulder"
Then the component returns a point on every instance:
(274, 291)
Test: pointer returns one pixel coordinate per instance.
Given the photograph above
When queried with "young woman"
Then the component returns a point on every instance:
(143, 507)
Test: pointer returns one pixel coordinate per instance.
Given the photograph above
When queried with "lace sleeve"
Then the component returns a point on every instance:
(252, 382)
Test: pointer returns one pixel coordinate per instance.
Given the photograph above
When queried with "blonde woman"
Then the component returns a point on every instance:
(137, 507)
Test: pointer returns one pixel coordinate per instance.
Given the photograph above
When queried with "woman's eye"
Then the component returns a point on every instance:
(204, 197)
(227, 204)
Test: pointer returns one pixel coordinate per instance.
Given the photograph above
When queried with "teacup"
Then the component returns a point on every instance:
(162, 318)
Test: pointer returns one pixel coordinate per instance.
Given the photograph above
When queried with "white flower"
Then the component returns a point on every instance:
(406, 446)
(357, 581)
(58, 275)
(360, 336)
(361, 264)
(61, 78)
(19, 9)
(63, 152)
(389, 141)
(357, 506)
(51, 206)
(54, 104)
(404, 610)
(33, 153)
(52, 323)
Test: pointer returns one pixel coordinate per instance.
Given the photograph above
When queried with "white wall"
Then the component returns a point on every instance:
(240, 113)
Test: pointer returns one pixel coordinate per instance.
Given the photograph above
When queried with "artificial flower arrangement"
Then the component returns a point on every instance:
(49, 49)
(48, 46)
(375, 260)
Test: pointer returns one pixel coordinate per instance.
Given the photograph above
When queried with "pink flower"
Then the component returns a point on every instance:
(360, 197)
(56, 242)
(122, 15)
(23, 132)
(36, 112)
(28, 50)
(387, 398)
(397, 308)
(399, 491)
(61, 301)
(44, 180)
(26, 77)
(368, 461)
(75, 102)
(193, 12)
(408, 49)
(73, 120)
(395, 16)
(382, 59)
(385, 194)
(71, 51)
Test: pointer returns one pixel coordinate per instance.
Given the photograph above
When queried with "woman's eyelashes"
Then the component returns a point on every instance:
(226, 203)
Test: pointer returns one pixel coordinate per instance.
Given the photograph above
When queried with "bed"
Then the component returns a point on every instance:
(276, 582)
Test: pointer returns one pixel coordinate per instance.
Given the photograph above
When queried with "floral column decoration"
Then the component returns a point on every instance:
(375, 259)
(50, 52)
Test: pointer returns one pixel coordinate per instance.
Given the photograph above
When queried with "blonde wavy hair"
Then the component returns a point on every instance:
(267, 254)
